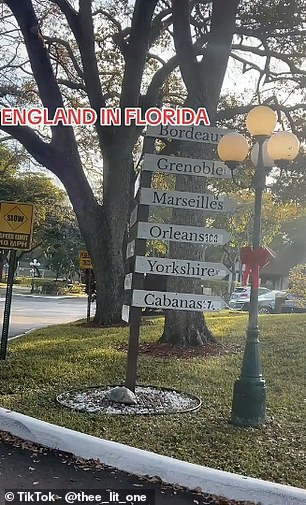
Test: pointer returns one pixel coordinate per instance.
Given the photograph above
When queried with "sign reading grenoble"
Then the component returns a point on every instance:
(204, 134)
(182, 268)
(181, 233)
(186, 166)
(177, 301)
(191, 201)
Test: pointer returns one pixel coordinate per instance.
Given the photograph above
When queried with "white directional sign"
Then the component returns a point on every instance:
(130, 249)
(137, 184)
(203, 134)
(186, 166)
(133, 217)
(128, 281)
(182, 268)
(184, 200)
(181, 233)
(176, 301)
(125, 313)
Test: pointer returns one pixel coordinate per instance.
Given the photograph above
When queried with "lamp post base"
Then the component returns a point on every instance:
(249, 402)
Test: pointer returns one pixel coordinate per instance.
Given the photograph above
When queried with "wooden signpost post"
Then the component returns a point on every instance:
(141, 230)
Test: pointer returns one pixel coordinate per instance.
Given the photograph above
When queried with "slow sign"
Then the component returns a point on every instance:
(16, 225)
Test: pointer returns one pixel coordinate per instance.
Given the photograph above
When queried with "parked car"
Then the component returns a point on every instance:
(240, 299)
(293, 304)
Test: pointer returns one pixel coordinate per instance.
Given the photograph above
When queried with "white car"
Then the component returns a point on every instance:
(240, 299)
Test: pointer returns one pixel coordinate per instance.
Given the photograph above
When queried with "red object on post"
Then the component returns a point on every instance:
(253, 259)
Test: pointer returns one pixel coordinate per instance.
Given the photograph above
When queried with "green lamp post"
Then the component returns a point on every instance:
(249, 396)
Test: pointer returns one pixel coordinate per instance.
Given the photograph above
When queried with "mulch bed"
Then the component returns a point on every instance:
(157, 350)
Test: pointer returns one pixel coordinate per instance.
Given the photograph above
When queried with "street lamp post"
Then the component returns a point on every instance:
(249, 396)
(34, 265)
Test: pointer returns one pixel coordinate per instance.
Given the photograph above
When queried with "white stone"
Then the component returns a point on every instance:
(121, 394)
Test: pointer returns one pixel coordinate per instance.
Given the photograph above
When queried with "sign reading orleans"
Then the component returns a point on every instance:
(181, 233)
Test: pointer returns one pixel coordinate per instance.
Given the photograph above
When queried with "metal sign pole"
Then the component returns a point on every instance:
(7, 306)
(89, 295)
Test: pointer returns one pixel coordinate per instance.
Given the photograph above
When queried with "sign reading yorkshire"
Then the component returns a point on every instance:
(177, 301)
(186, 166)
(182, 268)
(192, 201)
(16, 225)
(203, 134)
(182, 233)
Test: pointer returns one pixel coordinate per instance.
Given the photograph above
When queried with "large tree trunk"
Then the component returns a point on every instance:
(186, 328)
(203, 82)
(103, 227)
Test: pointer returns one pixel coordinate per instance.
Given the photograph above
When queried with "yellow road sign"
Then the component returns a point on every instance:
(85, 261)
(16, 225)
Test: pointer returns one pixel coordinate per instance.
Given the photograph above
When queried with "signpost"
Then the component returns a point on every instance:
(141, 230)
(16, 229)
(85, 260)
(16, 225)
(85, 264)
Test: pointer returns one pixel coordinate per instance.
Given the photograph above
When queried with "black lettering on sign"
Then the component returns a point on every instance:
(16, 219)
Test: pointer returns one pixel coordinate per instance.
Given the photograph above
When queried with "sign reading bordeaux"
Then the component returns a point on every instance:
(16, 225)
(203, 134)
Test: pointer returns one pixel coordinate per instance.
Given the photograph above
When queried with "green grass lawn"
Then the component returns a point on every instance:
(52, 360)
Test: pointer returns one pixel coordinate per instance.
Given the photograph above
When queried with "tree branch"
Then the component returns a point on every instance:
(137, 51)
(185, 51)
(40, 150)
(215, 60)
(38, 54)
(64, 43)
(69, 12)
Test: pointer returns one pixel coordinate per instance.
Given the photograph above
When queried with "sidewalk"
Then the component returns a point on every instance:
(24, 465)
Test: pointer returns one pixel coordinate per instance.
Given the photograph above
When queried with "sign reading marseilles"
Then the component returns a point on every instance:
(186, 166)
(16, 225)
(188, 201)
(182, 268)
(181, 233)
(204, 134)
(177, 301)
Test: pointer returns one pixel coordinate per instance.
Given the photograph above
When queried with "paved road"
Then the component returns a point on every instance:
(29, 312)
(39, 468)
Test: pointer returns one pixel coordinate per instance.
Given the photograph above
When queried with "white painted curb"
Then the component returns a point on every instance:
(139, 462)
